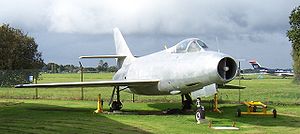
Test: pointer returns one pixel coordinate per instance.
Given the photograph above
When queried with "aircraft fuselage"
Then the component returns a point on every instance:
(178, 72)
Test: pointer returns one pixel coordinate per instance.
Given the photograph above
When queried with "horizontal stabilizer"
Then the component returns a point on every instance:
(102, 56)
(110, 83)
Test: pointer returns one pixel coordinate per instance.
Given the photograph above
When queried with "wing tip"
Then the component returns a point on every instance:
(19, 86)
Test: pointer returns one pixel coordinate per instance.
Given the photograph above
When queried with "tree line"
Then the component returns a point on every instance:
(56, 68)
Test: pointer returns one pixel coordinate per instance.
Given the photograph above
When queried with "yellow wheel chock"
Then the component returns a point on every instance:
(100, 105)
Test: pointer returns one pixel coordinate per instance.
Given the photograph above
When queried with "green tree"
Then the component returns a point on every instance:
(18, 50)
(112, 69)
(19, 57)
(52, 67)
(102, 66)
(294, 36)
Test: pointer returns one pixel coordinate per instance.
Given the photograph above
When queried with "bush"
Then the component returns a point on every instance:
(13, 77)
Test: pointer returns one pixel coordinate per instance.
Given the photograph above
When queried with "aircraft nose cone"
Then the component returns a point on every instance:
(227, 68)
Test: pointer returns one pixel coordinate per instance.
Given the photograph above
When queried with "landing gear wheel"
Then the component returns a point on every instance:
(116, 105)
(274, 113)
(200, 115)
(238, 112)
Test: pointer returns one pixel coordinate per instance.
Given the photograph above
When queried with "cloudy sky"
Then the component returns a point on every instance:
(66, 29)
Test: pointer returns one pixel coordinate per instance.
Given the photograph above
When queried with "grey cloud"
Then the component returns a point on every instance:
(235, 23)
(30, 14)
(231, 17)
(180, 17)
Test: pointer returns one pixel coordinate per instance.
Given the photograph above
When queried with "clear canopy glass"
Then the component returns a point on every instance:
(189, 45)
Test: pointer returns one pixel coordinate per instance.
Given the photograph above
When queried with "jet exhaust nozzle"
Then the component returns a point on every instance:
(227, 69)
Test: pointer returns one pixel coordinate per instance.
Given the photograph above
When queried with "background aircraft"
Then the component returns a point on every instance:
(278, 72)
(188, 69)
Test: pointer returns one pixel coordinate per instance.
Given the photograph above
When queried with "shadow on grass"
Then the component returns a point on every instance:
(161, 109)
(40, 118)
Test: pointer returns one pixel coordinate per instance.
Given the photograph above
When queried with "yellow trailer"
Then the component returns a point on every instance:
(253, 109)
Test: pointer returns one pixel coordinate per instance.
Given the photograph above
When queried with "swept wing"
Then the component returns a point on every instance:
(110, 83)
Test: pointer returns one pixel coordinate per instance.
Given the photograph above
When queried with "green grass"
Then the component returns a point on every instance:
(269, 90)
(19, 113)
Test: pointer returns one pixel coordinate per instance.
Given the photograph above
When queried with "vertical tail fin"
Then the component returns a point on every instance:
(255, 64)
(122, 48)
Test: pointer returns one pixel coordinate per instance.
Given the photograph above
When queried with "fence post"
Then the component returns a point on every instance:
(81, 79)
(36, 89)
(132, 97)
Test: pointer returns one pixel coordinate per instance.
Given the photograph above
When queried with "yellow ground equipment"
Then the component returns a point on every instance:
(253, 109)
(215, 105)
(100, 105)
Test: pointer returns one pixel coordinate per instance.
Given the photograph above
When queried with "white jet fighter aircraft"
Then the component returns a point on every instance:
(186, 68)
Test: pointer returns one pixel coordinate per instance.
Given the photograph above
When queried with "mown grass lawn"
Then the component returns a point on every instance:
(57, 112)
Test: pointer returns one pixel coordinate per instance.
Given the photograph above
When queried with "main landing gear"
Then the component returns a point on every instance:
(187, 103)
(116, 104)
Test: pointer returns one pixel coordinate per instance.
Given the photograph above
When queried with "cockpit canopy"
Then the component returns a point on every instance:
(189, 45)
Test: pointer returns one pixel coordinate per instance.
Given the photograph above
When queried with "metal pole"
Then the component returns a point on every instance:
(239, 73)
(81, 79)
(132, 97)
(239, 95)
(239, 81)
(36, 89)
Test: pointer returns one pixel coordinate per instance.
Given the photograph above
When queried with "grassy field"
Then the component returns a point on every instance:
(60, 111)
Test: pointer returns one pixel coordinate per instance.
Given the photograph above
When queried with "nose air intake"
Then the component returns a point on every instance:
(227, 68)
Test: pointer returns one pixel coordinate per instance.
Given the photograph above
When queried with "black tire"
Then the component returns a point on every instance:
(274, 113)
(116, 106)
(238, 112)
(199, 115)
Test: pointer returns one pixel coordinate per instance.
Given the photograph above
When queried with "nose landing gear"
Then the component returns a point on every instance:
(200, 113)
